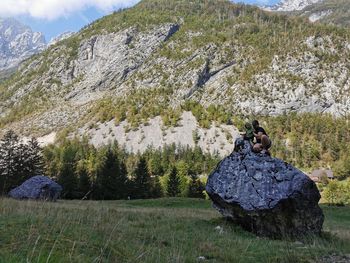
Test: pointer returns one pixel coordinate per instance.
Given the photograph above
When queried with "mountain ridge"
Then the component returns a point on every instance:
(335, 12)
(17, 43)
(292, 5)
(61, 37)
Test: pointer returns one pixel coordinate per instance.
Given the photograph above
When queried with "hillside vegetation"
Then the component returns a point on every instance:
(335, 12)
(164, 230)
(210, 52)
(110, 172)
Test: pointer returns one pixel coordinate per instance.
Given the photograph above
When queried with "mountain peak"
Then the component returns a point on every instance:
(292, 5)
(17, 42)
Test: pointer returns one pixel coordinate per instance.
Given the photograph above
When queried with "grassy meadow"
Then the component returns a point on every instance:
(163, 230)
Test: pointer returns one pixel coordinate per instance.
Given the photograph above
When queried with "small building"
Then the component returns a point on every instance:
(316, 175)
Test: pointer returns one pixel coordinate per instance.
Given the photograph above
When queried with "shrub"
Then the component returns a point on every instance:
(337, 193)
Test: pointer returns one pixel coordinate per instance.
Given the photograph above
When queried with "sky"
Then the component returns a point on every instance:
(54, 17)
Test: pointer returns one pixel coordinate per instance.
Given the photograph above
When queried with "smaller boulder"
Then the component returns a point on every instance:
(37, 188)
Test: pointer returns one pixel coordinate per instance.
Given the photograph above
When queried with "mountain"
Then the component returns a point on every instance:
(61, 37)
(179, 72)
(292, 5)
(335, 12)
(17, 43)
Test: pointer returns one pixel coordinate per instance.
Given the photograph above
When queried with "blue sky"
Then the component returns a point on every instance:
(72, 22)
(259, 2)
(71, 15)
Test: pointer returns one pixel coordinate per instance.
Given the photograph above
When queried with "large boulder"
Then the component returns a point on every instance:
(37, 188)
(265, 195)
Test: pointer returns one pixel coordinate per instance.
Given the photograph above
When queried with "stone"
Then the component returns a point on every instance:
(219, 229)
(265, 195)
(37, 188)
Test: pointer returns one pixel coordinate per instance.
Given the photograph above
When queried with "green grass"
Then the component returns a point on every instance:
(164, 230)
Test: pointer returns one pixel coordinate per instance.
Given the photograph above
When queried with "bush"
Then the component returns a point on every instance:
(337, 193)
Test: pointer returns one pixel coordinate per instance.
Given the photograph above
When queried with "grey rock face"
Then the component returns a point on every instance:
(17, 42)
(37, 188)
(61, 37)
(108, 61)
(292, 5)
(265, 195)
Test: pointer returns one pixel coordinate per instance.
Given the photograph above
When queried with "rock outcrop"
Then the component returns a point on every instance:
(37, 188)
(265, 195)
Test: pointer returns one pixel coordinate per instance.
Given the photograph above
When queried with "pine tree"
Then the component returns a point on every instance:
(127, 186)
(84, 184)
(66, 172)
(155, 164)
(196, 188)
(142, 181)
(111, 180)
(156, 188)
(51, 157)
(173, 186)
(18, 161)
(32, 159)
(9, 161)
(183, 170)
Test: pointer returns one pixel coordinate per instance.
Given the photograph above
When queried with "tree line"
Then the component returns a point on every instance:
(311, 141)
(18, 161)
(108, 172)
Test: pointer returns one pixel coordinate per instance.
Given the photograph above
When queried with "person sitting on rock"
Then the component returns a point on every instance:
(248, 134)
(263, 142)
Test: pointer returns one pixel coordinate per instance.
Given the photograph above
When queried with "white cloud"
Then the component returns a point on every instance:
(52, 9)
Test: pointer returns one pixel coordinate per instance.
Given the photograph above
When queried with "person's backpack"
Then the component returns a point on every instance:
(239, 145)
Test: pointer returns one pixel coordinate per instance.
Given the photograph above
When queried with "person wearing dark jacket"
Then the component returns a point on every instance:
(263, 142)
